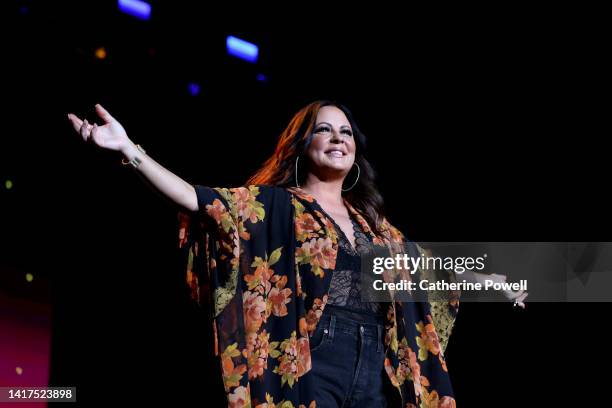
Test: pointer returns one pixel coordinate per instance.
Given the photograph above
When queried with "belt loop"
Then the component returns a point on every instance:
(332, 326)
(379, 340)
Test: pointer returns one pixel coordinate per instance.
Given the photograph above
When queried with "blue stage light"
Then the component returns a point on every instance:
(242, 49)
(136, 8)
(194, 88)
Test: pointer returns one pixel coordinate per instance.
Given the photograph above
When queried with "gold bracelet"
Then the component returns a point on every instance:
(135, 160)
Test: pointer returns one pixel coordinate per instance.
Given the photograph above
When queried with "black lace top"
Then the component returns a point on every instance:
(345, 287)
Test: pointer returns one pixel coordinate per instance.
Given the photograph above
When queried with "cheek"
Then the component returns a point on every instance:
(311, 153)
(316, 145)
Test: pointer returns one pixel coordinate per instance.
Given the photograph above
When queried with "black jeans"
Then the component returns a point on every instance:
(348, 360)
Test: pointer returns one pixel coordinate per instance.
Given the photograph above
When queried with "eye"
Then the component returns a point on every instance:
(322, 129)
(347, 132)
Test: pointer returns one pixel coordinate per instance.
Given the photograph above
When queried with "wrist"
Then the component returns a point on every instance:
(129, 150)
(134, 155)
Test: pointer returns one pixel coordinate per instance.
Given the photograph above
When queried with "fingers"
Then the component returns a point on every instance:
(85, 130)
(519, 301)
(76, 122)
(103, 113)
(94, 130)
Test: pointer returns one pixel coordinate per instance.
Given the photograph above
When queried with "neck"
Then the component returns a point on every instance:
(328, 191)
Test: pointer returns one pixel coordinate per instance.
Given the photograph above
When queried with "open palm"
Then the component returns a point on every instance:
(110, 135)
(517, 296)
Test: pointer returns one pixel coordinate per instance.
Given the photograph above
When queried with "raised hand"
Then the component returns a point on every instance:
(109, 135)
(518, 297)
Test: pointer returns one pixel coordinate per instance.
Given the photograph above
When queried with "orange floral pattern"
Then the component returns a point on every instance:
(265, 276)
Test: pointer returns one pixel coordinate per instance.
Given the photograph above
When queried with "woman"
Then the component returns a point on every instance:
(280, 261)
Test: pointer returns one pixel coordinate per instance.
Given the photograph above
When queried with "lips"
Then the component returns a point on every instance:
(335, 153)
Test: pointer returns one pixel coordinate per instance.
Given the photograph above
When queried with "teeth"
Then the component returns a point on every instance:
(336, 153)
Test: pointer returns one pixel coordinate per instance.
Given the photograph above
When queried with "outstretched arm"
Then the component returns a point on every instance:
(112, 136)
(518, 297)
(475, 277)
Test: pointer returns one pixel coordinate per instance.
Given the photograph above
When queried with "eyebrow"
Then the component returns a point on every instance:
(329, 124)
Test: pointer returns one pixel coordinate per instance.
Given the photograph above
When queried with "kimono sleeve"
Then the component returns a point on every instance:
(208, 244)
(220, 242)
(210, 240)
(444, 305)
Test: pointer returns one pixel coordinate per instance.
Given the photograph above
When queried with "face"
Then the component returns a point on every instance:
(332, 149)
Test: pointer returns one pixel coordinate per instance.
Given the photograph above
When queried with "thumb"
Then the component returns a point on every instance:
(103, 113)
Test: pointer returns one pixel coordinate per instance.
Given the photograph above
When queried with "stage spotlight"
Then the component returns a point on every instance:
(194, 88)
(101, 53)
(136, 8)
(242, 49)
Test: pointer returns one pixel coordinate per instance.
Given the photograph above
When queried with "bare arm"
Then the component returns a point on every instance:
(111, 135)
(476, 277)
(162, 179)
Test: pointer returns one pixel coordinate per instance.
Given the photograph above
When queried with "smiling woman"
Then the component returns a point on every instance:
(313, 209)
(278, 264)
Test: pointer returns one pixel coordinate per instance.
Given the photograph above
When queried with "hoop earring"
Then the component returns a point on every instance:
(296, 172)
(356, 180)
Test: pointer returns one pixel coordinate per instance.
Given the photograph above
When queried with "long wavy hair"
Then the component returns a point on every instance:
(279, 169)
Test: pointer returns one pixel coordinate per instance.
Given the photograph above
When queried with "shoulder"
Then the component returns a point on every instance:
(232, 195)
(299, 193)
(255, 203)
(266, 192)
(391, 232)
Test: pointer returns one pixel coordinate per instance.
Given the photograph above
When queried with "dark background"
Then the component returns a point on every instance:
(479, 128)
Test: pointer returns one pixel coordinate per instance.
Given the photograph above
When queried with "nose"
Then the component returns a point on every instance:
(335, 137)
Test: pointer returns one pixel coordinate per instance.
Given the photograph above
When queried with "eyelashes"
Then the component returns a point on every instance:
(325, 129)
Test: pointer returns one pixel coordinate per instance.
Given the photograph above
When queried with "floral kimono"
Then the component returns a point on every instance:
(262, 258)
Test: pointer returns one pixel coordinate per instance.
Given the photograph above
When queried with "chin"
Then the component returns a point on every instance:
(339, 167)
(335, 166)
